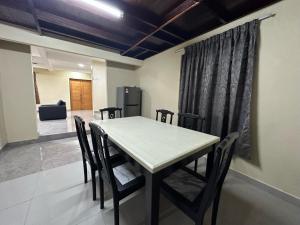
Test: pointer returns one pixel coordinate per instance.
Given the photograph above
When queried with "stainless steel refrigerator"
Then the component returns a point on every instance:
(130, 100)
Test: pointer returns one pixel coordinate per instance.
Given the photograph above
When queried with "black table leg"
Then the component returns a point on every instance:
(152, 189)
(210, 161)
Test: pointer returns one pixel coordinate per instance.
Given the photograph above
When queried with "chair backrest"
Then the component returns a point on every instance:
(223, 156)
(102, 152)
(164, 114)
(191, 121)
(83, 140)
(111, 111)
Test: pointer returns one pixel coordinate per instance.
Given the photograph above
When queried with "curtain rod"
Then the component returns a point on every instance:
(260, 19)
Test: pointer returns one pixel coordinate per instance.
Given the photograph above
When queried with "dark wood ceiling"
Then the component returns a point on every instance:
(147, 27)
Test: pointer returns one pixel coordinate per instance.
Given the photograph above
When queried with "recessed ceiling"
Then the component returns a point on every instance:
(57, 60)
(146, 28)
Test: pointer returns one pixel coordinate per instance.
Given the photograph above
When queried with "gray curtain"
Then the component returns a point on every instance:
(216, 82)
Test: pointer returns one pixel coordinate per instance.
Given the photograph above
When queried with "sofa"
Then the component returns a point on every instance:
(53, 112)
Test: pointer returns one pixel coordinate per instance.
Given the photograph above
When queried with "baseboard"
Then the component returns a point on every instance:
(274, 191)
(45, 138)
(2, 146)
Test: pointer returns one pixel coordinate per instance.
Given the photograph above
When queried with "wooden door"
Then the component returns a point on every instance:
(86, 96)
(81, 94)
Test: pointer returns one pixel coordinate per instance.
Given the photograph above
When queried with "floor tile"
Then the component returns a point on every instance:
(176, 217)
(19, 190)
(60, 178)
(59, 153)
(132, 209)
(20, 161)
(15, 215)
(64, 207)
(94, 220)
(27, 159)
(244, 204)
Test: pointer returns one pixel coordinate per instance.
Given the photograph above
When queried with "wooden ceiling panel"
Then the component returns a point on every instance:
(147, 28)
(203, 14)
(157, 7)
(16, 16)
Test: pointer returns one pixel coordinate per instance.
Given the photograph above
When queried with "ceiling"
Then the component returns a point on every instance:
(43, 58)
(147, 27)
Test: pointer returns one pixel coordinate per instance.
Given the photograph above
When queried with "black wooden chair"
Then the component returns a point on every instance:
(164, 114)
(88, 155)
(111, 112)
(124, 178)
(192, 122)
(194, 194)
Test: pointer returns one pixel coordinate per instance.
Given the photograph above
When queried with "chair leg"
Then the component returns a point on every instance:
(215, 208)
(85, 171)
(116, 211)
(101, 186)
(196, 165)
(94, 184)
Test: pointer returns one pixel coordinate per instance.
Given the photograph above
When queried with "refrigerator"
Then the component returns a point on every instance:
(130, 100)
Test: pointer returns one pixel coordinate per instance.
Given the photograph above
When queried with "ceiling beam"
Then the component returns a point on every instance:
(140, 53)
(33, 12)
(97, 32)
(169, 18)
(145, 55)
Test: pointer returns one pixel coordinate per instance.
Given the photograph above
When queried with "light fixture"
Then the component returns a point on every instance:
(80, 65)
(105, 7)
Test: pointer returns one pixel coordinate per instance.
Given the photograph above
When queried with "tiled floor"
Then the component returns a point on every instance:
(58, 196)
(51, 127)
(27, 159)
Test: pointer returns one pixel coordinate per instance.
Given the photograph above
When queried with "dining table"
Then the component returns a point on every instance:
(159, 149)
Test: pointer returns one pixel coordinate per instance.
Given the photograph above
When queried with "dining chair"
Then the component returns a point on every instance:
(192, 122)
(111, 112)
(88, 155)
(124, 178)
(193, 193)
(164, 114)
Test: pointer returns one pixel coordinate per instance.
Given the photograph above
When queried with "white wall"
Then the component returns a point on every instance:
(99, 76)
(118, 76)
(17, 92)
(55, 85)
(276, 108)
(3, 139)
(159, 80)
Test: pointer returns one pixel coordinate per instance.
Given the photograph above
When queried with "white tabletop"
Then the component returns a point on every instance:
(153, 144)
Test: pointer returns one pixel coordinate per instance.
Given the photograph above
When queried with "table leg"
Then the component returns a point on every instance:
(210, 161)
(152, 191)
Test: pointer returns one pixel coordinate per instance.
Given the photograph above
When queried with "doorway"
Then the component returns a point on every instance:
(81, 94)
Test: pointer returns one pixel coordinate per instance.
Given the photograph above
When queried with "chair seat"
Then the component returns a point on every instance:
(185, 183)
(128, 179)
(112, 152)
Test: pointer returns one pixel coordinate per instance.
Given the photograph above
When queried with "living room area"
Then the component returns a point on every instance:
(67, 84)
(63, 88)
